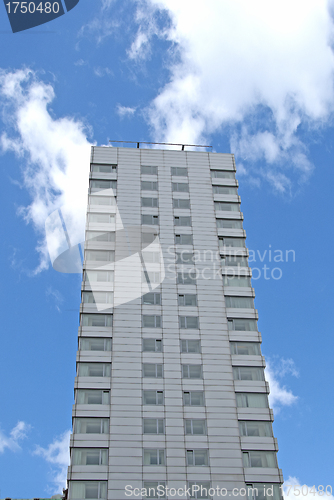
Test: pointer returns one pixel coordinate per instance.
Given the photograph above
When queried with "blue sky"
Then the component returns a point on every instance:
(253, 78)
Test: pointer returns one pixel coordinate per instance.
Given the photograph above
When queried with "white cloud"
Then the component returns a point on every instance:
(18, 433)
(293, 489)
(56, 297)
(57, 454)
(100, 72)
(54, 154)
(279, 395)
(123, 111)
(259, 69)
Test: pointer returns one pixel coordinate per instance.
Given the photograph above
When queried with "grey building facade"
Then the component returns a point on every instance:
(170, 389)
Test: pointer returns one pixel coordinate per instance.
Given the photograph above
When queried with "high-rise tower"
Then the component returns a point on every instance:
(170, 389)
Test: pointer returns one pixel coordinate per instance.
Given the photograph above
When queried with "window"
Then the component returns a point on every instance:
(101, 218)
(248, 373)
(153, 426)
(242, 325)
(100, 255)
(150, 219)
(153, 397)
(193, 398)
(155, 489)
(222, 174)
(237, 302)
(184, 257)
(152, 370)
(102, 200)
(151, 321)
(251, 400)
(182, 221)
(89, 456)
(195, 426)
(92, 397)
(183, 239)
(188, 299)
(94, 344)
(255, 429)
(245, 348)
(237, 281)
(97, 297)
(152, 298)
(147, 238)
(223, 206)
(263, 491)
(179, 171)
(188, 321)
(186, 277)
(229, 223)
(149, 185)
(191, 371)
(95, 276)
(154, 457)
(233, 261)
(180, 203)
(91, 425)
(149, 202)
(94, 369)
(152, 345)
(149, 170)
(100, 236)
(151, 257)
(259, 459)
(151, 277)
(199, 489)
(105, 169)
(92, 490)
(100, 185)
(190, 346)
(181, 187)
(197, 457)
(224, 190)
(231, 242)
(102, 320)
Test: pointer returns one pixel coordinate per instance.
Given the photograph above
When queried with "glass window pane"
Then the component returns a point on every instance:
(99, 276)
(149, 170)
(181, 187)
(234, 261)
(229, 223)
(99, 185)
(236, 281)
(252, 400)
(227, 207)
(180, 203)
(190, 346)
(101, 320)
(106, 169)
(239, 302)
(179, 171)
(222, 174)
(245, 348)
(153, 397)
(229, 190)
(100, 236)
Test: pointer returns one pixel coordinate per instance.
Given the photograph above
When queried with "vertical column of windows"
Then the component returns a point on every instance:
(242, 324)
(95, 337)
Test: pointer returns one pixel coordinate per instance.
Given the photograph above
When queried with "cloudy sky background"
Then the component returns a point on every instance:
(252, 78)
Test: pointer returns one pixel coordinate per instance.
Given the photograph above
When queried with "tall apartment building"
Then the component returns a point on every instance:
(170, 387)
